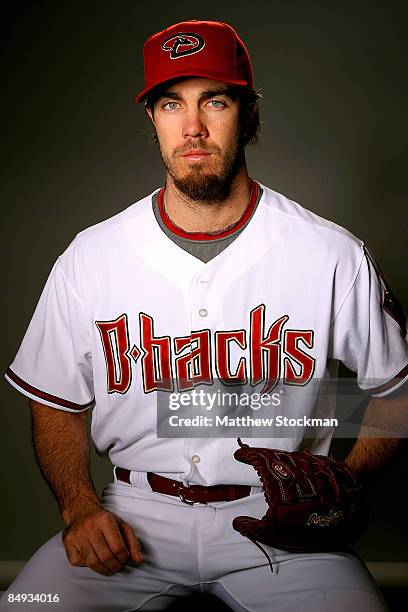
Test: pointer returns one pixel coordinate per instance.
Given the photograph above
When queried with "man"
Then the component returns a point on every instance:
(213, 276)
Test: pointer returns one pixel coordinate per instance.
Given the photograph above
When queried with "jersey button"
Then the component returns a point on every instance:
(203, 312)
(196, 459)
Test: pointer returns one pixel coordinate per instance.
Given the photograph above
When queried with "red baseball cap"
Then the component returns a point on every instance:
(209, 49)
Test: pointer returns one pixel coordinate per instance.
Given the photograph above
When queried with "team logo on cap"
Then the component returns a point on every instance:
(183, 43)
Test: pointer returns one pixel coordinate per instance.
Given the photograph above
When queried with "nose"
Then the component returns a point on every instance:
(194, 125)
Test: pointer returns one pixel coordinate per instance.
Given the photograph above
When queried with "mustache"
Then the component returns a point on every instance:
(195, 146)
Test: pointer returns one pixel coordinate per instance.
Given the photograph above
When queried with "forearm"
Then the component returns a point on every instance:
(61, 446)
(384, 427)
(94, 537)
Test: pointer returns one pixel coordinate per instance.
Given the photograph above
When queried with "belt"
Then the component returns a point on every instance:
(192, 494)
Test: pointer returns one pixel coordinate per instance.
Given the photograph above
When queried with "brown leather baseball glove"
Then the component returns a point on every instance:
(315, 503)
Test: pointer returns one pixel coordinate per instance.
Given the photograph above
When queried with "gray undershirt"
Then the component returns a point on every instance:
(202, 249)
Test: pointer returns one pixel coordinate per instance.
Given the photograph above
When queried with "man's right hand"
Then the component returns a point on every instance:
(100, 540)
(94, 537)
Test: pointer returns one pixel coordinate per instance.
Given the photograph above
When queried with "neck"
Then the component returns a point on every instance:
(204, 216)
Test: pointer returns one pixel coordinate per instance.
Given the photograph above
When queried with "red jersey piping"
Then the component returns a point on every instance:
(210, 236)
(43, 395)
(390, 384)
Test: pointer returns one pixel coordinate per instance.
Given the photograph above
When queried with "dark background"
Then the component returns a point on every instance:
(76, 150)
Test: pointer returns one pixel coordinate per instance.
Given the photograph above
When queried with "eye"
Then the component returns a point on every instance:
(216, 103)
(170, 105)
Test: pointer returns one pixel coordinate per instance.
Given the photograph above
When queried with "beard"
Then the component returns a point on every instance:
(202, 185)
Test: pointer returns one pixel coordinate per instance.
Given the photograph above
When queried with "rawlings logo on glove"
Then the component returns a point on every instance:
(324, 520)
(315, 503)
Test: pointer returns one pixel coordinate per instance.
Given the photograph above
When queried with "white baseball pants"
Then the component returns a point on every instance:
(194, 548)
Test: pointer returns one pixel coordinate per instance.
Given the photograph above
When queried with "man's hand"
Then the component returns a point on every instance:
(100, 540)
(94, 537)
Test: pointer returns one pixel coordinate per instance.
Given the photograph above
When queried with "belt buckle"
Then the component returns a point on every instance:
(181, 496)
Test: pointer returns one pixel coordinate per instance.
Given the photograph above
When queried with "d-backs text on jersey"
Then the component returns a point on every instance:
(187, 361)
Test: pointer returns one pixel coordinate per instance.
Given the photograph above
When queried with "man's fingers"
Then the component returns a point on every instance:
(74, 556)
(132, 542)
(109, 548)
(95, 564)
(94, 542)
(102, 542)
(86, 558)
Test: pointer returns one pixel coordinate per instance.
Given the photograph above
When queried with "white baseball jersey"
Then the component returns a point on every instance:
(126, 313)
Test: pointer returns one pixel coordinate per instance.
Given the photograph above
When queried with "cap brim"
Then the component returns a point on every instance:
(187, 73)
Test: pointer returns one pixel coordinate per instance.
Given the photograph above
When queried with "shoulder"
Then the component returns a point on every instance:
(113, 226)
(95, 246)
(307, 229)
(111, 230)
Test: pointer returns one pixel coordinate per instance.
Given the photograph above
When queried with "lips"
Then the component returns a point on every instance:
(196, 153)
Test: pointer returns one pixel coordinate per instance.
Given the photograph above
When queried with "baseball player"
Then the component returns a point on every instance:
(213, 277)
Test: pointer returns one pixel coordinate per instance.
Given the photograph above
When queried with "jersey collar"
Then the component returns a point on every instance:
(204, 235)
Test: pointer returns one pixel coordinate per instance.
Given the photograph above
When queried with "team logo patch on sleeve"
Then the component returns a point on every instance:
(182, 44)
(390, 303)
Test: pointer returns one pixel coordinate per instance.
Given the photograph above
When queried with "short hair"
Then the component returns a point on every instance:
(248, 109)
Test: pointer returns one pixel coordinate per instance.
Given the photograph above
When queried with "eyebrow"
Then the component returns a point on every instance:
(204, 95)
